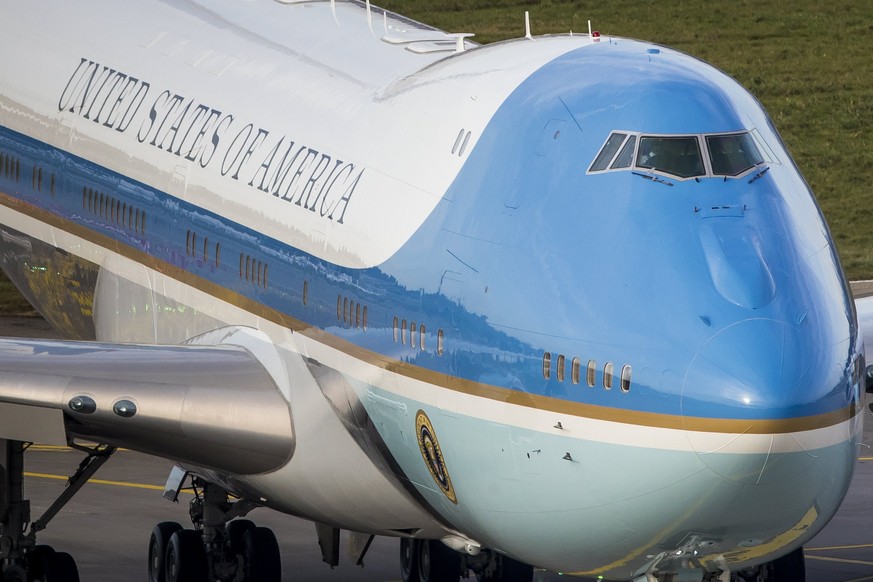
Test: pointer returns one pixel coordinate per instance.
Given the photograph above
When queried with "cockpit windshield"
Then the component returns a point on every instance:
(681, 156)
(732, 154)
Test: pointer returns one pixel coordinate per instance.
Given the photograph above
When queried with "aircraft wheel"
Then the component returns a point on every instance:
(186, 557)
(408, 559)
(235, 531)
(508, 570)
(261, 553)
(37, 559)
(158, 542)
(61, 567)
(789, 568)
(437, 562)
(14, 573)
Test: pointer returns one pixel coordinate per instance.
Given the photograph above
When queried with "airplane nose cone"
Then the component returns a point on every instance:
(746, 394)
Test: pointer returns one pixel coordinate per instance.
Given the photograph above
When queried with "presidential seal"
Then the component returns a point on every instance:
(433, 456)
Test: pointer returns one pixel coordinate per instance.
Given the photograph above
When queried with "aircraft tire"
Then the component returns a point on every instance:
(409, 560)
(263, 561)
(186, 557)
(61, 567)
(236, 531)
(789, 568)
(14, 573)
(437, 562)
(508, 570)
(37, 558)
(158, 549)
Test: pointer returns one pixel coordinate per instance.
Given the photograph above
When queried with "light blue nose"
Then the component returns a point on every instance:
(758, 378)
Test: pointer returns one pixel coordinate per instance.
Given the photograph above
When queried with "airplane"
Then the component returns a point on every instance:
(562, 302)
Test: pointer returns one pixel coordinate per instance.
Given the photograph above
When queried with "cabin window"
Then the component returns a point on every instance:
(547, 365)
(52, 185)
(607, 375)
(217, 253)
(440, 342)
(560, 370)
(591, 373)
(364, 318)
(395, 329)
(346, 309)
(305, 292)
(421, 336)
(576, 370)
(358, 315)
(626, 378)
(403, 332)
(412, 334)
(206, 248)
(733, 154)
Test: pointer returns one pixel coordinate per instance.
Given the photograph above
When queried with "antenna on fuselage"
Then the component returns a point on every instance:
(370, 17)
(527, 33)
(594, 36)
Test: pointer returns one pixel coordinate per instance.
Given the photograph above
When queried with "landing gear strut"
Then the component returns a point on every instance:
(219, 547)
(22, 559)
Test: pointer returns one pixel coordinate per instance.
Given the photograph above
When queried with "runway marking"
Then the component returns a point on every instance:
(855, 547)
(97, 481)
(840, 560)
(58, 448)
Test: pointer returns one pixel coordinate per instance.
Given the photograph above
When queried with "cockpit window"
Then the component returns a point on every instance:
(679, 156)
(733, 154)
(626, 156)
(683, 156)
(607, 152)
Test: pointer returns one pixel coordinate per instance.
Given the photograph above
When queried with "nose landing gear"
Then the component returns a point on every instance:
(433, 561)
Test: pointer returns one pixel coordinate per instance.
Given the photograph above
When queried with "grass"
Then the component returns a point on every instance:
(808, 61)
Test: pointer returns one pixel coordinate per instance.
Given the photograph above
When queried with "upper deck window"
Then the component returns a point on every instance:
(682, 156)
(732, 154)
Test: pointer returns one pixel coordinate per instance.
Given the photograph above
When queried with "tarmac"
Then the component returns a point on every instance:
(107, 525)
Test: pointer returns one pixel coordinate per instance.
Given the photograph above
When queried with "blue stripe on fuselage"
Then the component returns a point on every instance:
(526, 254)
